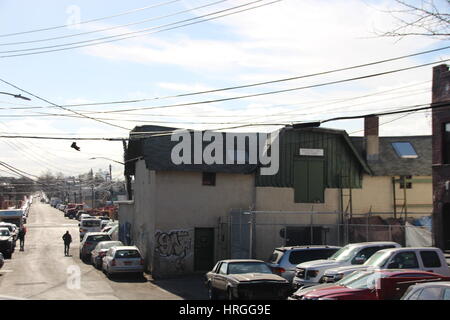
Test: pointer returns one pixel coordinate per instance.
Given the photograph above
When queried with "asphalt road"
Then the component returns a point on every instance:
(43, 272)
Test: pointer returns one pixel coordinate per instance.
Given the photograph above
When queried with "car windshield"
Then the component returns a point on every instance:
(248, 267)
(108, 245)
(126, 254)
(344, 254)
(4, 233)
(361, 280)
(378, 259)
(91, 223)
(10, 228)
(98, 238)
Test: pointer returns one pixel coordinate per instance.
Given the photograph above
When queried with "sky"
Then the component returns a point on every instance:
(173, 52)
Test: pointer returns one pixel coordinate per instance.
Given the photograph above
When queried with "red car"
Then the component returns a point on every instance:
(387, 284)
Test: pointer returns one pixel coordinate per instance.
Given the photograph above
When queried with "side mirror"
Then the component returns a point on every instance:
(79, 224)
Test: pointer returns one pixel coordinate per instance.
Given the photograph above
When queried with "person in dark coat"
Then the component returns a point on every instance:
(67, 240)
(21, 236)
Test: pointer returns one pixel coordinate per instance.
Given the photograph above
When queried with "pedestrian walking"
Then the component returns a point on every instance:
(67, 240)
(21, 236)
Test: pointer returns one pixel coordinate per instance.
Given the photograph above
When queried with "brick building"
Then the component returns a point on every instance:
(441, 156)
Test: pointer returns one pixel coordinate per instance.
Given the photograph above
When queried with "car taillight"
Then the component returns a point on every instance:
(113, 262)
(142, 262)
(278, 270)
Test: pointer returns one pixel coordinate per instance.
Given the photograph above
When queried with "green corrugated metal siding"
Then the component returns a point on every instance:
(340, 162)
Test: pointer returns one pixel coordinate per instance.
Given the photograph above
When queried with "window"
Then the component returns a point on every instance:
(414, 295)
(446, 144)
(297, 257)
(404, 181)
(209, 178)
(365, 254)
(127, 254)
(446, 294)
(430, 259)
(430, 294)
(309, 181)
(404, 150)
(404, 260)
(223, 268)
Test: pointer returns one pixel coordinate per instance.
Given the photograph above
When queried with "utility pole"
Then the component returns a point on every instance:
(127, 177)
(93, 196)
(110, 173)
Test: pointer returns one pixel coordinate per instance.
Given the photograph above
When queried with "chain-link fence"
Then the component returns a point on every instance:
(256, 233)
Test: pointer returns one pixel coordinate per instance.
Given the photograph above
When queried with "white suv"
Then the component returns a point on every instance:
(310, 273)
(425, 259)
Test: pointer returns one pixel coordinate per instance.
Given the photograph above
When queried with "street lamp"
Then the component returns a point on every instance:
(19, 96)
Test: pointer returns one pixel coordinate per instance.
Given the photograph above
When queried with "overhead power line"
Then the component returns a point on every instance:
(61, 107)
(276, 91)
(69, 46)
(91, 20)
(254, 84)
(115, 27)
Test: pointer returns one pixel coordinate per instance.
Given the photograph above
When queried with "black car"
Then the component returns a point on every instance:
(245, 279)
(6, 243)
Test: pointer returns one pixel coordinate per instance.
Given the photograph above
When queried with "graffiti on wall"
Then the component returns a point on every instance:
(175, 244)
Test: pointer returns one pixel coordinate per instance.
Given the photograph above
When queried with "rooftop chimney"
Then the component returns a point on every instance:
(371, 139)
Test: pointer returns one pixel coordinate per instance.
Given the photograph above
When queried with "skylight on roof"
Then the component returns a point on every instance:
(404, 150)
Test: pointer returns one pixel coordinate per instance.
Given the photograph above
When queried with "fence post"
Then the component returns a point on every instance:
(390, 233)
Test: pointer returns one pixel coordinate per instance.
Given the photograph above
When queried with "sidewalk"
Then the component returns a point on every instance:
(189, 287)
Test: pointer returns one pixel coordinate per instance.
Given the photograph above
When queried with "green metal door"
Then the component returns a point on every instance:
(309, 180)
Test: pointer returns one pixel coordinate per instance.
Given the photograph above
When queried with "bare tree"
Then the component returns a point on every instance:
(421, 18)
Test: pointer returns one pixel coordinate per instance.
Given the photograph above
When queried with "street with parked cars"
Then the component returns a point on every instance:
(111, 269)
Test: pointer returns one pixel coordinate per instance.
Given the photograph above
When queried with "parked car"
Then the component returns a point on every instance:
(284, 260)
(387, 284)
(90, 240)
(89, 225)
(425, 258)
(110, 225)
(12, 229)
(100, 251)
(124, 259)
(2, 260)
(61, 207)
(310, 273)
(428, 291)
(6, 243)
(245, 279)
(81, 214)
(103, 224)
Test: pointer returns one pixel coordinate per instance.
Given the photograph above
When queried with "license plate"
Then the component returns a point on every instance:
(127, 263)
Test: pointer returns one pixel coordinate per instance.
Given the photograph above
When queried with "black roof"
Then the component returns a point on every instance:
(156, 151)
(390, 164)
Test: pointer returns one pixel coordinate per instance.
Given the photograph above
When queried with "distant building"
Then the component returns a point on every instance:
(401, 181)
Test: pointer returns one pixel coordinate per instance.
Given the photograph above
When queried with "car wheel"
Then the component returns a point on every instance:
(230, 294)
(8, 255)
(211, 292)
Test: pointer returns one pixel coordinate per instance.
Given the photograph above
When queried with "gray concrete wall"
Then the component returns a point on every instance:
(184, 204)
